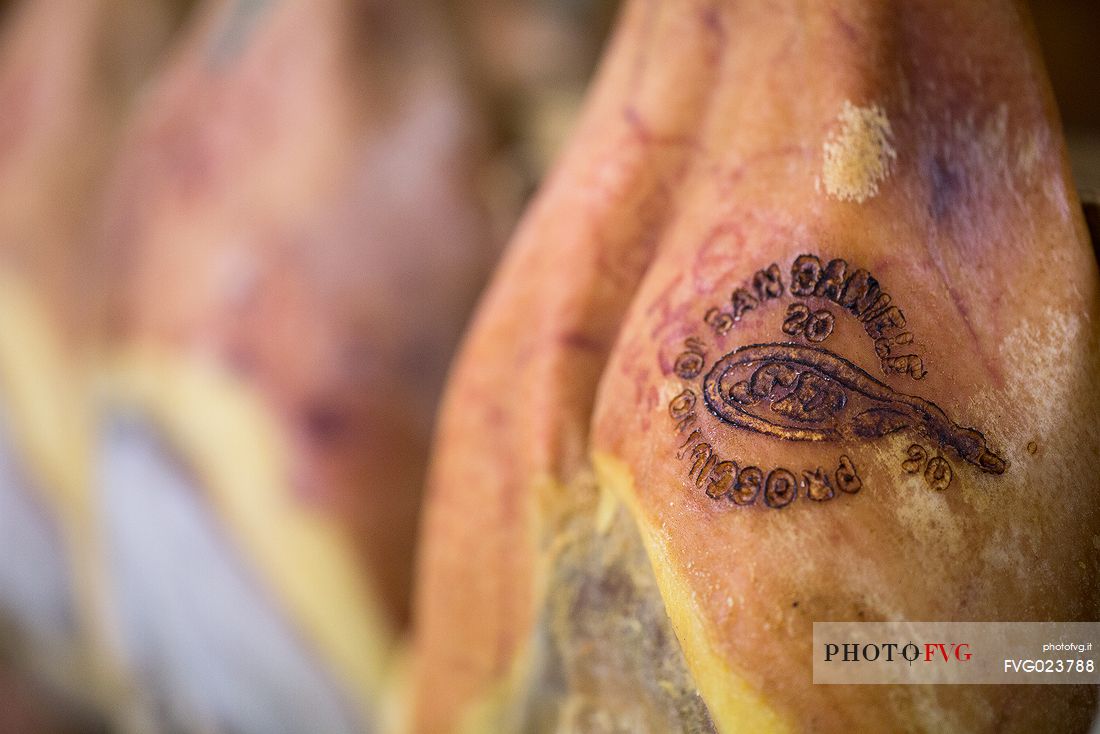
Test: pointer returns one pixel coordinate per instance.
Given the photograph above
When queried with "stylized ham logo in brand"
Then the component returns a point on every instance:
(802, 393)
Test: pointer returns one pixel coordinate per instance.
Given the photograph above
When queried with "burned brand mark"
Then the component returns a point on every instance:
(936, 470)
(810, 394)
(722, 478)
(797, 390)
(854, 290)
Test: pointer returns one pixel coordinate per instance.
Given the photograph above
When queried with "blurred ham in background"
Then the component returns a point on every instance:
(239, 241)
(69, 72)
(292, 238)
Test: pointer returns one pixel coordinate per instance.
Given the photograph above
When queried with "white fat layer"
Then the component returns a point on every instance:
(203, 635)
(35, 600)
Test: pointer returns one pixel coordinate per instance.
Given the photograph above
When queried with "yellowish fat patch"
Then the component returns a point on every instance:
(859, 155)
(234, 443)
(733, 704)
(605, 510)
(42, 389)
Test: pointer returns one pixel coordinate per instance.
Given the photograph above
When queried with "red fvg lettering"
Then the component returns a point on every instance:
(959, 650)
